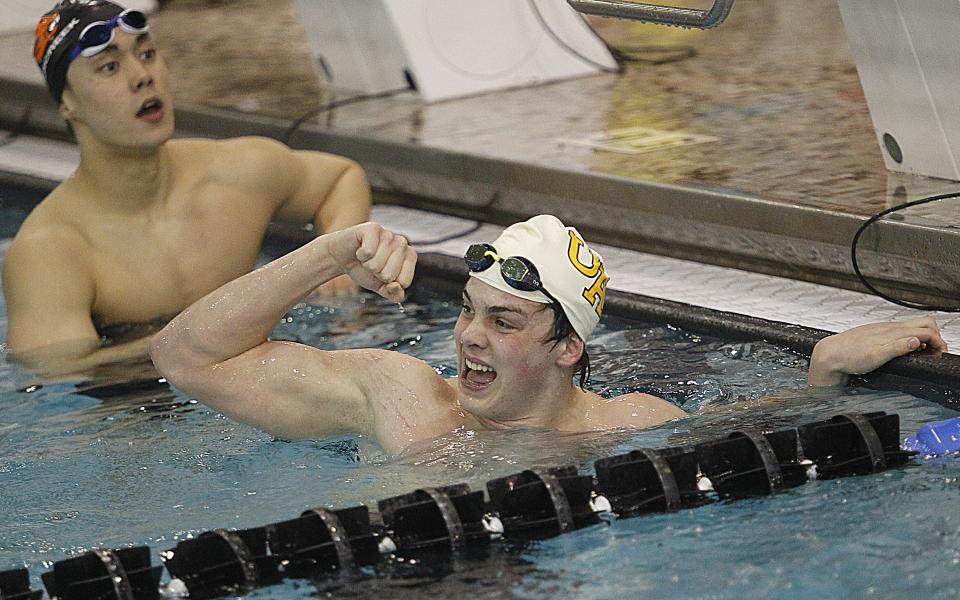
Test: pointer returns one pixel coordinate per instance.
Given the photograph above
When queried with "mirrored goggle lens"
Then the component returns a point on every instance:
(477, 258)
(519, 274)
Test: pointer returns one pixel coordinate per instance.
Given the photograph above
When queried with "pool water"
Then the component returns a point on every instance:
(155, 467)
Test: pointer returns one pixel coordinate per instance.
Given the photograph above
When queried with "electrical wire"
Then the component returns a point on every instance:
(475, 227)
(668, 54)
(874, 219)
(295, 125)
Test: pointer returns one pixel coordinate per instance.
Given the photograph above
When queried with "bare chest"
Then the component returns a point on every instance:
(151, 265)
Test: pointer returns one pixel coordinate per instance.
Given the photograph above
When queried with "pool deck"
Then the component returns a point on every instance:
(794, 170)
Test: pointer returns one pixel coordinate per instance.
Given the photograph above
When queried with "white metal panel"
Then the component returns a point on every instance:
(451, 48)
(934, 30)
(896, 87)
(356, 43)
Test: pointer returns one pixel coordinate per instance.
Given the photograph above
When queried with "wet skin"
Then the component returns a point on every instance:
(146, 226)
(218, 351)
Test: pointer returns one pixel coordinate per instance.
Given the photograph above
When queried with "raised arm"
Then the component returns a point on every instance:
(218, 349)
(49, 293)
(865, 348)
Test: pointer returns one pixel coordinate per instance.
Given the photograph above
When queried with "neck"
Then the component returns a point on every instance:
(126, 180)
(556, 408)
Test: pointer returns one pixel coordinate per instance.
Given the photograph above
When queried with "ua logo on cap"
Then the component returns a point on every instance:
(596, 292)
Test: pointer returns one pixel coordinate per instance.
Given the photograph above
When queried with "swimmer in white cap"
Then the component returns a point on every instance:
(534, 296)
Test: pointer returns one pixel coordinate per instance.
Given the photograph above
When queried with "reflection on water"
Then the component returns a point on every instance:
(154, 467)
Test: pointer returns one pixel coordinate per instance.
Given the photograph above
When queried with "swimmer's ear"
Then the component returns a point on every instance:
(570, 350)
(66, 107)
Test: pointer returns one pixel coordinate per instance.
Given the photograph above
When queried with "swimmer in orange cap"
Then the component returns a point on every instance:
(146, 225)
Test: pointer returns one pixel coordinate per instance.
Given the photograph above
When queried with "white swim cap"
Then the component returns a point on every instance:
(569, 270)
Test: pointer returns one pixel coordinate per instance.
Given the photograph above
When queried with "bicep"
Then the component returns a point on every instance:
(49, 296)
(290, 390)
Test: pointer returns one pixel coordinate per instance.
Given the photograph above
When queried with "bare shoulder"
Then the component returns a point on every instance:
(46, 269)
(232, 154)
(253, 163)
(51, 250)
(632, 410)
(48, 233)
(409, 399)
(390, 373)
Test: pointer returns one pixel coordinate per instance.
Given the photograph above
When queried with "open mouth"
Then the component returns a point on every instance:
(151, 109)
(477, 374)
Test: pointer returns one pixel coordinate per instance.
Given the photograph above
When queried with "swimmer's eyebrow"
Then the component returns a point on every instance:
(499, 309)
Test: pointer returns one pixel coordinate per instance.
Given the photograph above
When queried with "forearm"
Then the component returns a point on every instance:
(62, 359)
(821, 375)
(241, 314)
(347, 203)
(823, 371)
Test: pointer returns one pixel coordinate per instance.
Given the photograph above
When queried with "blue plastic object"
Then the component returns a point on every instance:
(933, 439)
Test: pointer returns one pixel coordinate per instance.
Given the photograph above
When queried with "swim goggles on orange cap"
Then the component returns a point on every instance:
(97, 36)
(517, 271)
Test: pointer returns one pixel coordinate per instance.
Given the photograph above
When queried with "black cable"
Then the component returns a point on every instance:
(475, 227)
(572, 51)
(874, 219)
(669, 54)
(285, 138)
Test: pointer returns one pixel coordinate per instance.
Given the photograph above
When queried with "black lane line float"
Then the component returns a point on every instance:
(222, 562)
(124, 574)
(853, 444)
(542, 503)
(748, 463)
(648, 480)
(15, 585)
(324, 542)
(438, 525)
(449, 518)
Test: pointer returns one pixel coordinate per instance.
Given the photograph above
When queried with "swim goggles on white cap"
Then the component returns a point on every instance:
(96, 36)
(517, 271)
